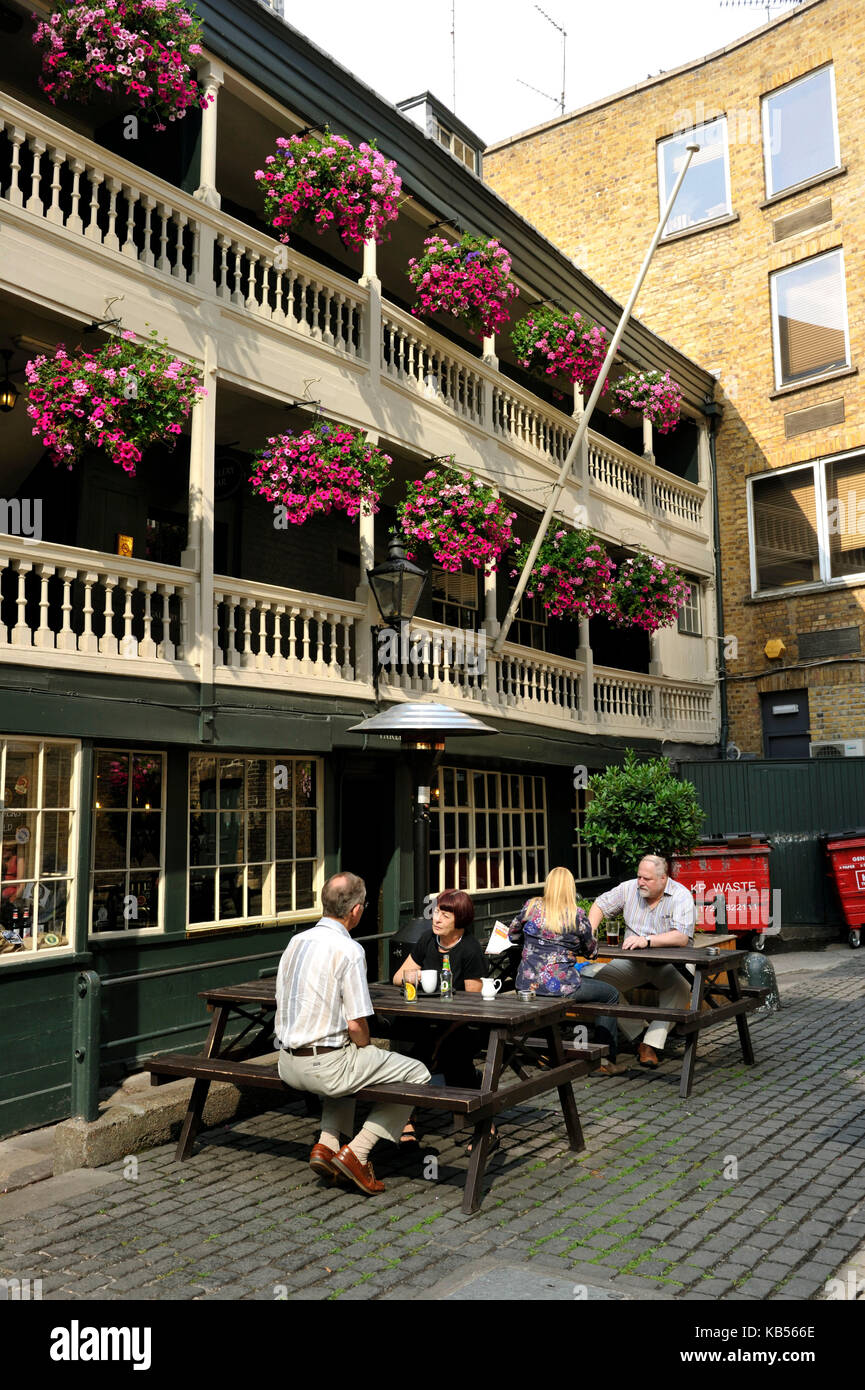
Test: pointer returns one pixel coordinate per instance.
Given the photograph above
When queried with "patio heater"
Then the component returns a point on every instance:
(422, 728)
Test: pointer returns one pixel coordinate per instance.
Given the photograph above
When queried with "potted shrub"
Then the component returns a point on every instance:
(647, 593)
(571, 575)
(143, 51)
(327, 467)
(652, 394)
(641, 808)
(471, 281)
(324, 181)
(551, 343)
(121, 398)
(459, 517)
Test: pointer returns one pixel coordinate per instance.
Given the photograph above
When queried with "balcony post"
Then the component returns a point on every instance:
(370, 347)
(198, 555)
(587, 691)
(648, 440)
(656, 668)
(580, 472)
(364, 656)
(211, 76)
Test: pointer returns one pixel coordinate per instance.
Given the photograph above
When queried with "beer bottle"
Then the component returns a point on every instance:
(447, 979)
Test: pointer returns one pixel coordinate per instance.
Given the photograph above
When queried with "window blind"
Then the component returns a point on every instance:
(845, 494)
(785, 523)
(811, 319)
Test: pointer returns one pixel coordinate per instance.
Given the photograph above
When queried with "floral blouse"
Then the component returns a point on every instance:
(549, 957)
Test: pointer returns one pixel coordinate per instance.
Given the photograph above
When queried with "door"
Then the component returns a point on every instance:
(786, 724)
(366, 848)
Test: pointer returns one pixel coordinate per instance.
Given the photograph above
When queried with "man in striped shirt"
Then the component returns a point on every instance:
(322, 1006)
(660, 912)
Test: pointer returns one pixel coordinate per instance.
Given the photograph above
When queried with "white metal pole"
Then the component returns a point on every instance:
(583, 425)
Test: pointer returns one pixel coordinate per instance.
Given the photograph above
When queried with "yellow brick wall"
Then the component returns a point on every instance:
(589, 183)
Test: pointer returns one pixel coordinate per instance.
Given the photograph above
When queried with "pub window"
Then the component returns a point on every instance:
(705, 191)
(529, 627)
(689, 614)
(38, 814)
(455, 597)
(488, 830)
(809, 319)
(590, 864)
(800, 131)
(128, 841)
(255, 839)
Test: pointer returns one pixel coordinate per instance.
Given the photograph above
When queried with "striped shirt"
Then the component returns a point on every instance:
(320, 985)
(674, 910)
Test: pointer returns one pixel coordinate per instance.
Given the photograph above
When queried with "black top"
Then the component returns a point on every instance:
(467, 957)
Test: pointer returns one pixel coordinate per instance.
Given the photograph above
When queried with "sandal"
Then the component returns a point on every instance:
(495, 1141)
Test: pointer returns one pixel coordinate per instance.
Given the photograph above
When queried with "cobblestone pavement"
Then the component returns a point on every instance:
(753, 1188)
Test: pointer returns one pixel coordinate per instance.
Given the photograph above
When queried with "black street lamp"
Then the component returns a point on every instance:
(397, 585)
(423, 728)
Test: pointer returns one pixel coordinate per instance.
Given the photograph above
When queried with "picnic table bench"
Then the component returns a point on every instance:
(514, 1025)
(738, 1000)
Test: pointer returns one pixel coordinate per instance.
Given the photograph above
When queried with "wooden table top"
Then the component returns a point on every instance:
(666, 955)
(507, 1012)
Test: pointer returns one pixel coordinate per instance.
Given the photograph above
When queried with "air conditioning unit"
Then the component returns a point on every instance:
(839, 748)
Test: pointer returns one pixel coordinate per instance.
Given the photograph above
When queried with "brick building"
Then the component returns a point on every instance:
(760, 278)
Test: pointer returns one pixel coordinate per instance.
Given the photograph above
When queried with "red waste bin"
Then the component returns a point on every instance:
(729, 878)
(846, 851)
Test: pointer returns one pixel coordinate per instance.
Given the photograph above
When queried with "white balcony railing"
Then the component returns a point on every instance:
(77, 189)
(265, 631)
(62, 606)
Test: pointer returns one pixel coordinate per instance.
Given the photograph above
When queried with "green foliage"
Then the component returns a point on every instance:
(641, 808)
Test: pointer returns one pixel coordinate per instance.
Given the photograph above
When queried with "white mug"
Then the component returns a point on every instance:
(490, 988)
(429, 981)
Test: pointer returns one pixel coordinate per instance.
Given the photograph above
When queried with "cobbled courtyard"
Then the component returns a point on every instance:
(754, 1188)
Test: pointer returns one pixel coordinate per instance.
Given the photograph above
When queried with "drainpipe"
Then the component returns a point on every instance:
(714, 413)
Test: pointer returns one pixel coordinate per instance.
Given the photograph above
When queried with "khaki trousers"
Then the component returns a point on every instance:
(674, 992)
(338, 1075)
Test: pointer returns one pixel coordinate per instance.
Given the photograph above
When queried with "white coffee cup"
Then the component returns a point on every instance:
(490, 988)
(429, 981)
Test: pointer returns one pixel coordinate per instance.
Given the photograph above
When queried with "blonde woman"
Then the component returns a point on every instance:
(553, 932)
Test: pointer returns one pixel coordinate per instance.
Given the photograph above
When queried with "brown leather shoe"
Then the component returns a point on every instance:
(361, 1174)
(647, 1056)
(608, 1068)
(320, 1160)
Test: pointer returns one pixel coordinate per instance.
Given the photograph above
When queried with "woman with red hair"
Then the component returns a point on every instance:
(449, 1050)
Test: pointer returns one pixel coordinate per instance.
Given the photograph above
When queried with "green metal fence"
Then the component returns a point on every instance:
(794, 803)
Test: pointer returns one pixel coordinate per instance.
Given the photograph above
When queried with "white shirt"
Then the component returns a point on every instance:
(674, 910)
(320, 985)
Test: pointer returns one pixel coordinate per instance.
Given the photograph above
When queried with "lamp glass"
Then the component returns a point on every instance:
(8, 396)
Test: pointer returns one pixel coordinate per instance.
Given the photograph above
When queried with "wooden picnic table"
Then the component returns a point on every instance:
(730, 1000)
(512, 1022)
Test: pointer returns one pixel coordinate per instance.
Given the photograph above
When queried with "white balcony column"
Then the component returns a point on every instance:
(211, 76)
(587, 684)
(580, 470)
(648, 440)
(198, 555)
(364, 655)
(369, 348)
(655, 666)
(489, 352)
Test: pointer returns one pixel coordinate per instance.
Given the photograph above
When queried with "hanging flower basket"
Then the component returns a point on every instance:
(121, 398)
(327, 182)
(550, 343)
(470, 281)
(140, 50)
(328, 467)
(647, 593)
(459, 517)
(653, 394)
(571, 575)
